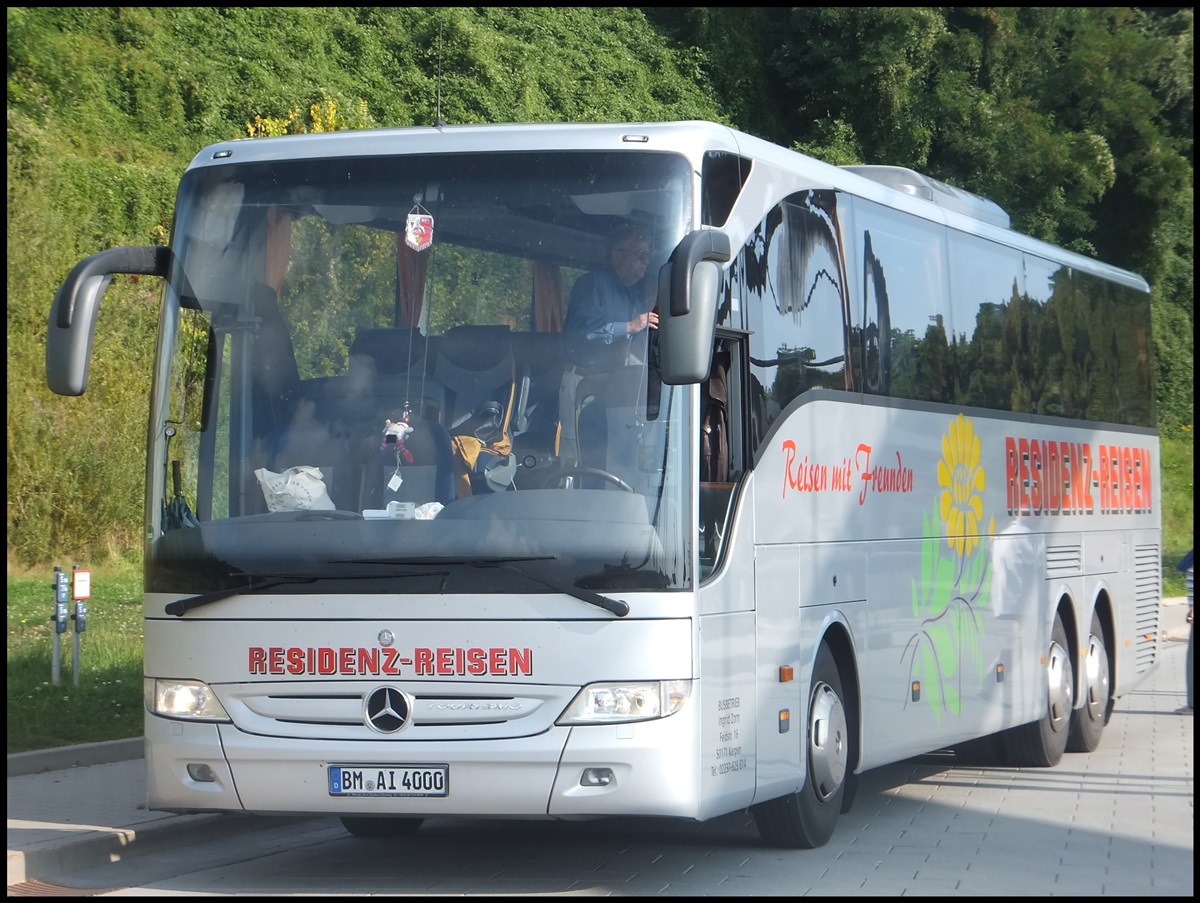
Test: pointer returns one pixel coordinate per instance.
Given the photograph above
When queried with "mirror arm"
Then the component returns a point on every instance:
(703, 244)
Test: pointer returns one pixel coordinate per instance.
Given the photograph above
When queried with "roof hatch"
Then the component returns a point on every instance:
(912, 182)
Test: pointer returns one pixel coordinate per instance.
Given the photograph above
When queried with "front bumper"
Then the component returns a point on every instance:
(654, 768)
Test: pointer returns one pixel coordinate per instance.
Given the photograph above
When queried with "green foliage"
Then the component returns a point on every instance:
(872, 65)
(731, 49)
(1179, 504)
(604, 65)
(75, 475)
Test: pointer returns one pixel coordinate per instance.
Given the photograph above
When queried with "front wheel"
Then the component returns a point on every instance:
(806, 819)
(1042, 743)
(1087, 722)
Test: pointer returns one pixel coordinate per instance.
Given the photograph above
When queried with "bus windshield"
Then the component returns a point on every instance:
(372, 380)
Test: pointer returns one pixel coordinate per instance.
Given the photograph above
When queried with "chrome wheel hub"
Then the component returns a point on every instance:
(827, 741)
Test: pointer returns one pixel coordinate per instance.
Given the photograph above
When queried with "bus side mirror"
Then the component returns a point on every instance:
(76, 304)
(688, 287)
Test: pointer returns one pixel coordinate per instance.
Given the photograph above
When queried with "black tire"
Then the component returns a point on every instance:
(1087, 722)
(1041, 743)
(806, 819)
(380, 827)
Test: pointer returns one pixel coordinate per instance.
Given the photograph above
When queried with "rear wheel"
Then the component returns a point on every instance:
(1042, 743)
(380, 827)
(806, 819)
(1087, 722)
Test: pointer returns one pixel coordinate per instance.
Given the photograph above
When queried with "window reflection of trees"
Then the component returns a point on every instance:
(795, 273)
(1072, 345)
(1018, 333)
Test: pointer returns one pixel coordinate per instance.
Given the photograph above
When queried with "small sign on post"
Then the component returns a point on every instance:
(81, 581)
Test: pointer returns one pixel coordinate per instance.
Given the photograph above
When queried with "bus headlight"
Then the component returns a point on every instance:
(191, 699)
(611, 703)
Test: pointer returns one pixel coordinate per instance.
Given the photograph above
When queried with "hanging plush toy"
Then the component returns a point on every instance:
(394, 434)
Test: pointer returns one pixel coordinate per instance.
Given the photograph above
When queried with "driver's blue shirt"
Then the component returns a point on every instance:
(601, 306)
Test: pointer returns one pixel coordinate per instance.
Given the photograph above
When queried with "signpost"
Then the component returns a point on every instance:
(59, 617)
(81, 583)
(79, 588)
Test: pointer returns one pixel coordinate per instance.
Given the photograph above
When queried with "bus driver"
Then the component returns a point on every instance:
(607, 304)
(605, 312)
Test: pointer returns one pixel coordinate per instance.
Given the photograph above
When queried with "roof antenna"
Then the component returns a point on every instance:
(439, 121)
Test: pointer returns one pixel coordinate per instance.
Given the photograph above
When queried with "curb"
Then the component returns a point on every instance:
(102, 848)
(95, 849)
(65, 757)
(106, 849)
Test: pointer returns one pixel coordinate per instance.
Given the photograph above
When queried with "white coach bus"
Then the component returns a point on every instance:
(883, 480)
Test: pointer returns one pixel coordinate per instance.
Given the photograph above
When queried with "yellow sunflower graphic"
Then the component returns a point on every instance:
(962, 481)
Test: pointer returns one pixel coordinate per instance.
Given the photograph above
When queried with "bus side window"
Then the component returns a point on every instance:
(714, 421)
(721, 448)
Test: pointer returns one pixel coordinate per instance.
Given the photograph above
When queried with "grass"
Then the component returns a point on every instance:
(1178, 503)
(1174, 585)
(107, 704)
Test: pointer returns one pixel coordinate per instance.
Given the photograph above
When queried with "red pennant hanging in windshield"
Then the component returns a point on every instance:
(418, 229)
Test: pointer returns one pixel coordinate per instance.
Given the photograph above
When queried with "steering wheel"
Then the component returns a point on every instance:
(560, 475)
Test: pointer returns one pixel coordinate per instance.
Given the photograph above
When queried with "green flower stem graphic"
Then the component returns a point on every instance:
(952, 590)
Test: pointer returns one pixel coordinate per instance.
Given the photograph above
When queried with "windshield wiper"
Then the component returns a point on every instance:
(260, 582)
(618, 607)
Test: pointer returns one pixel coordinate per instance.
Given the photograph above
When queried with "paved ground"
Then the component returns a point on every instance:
(77, 808)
